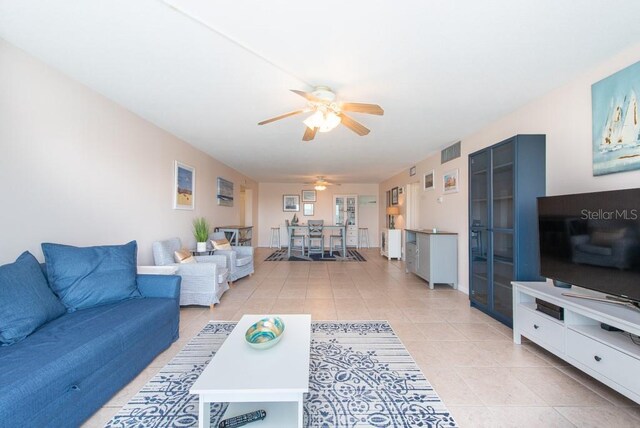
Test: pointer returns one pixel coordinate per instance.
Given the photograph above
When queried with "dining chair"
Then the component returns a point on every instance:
(316, 237)
(297, 241)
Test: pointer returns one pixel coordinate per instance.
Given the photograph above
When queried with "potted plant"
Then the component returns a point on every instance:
(201, 233)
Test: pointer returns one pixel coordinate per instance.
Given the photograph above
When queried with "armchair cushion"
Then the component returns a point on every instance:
(92, 276)
(221, 244)
(163, 251)
(183, 256)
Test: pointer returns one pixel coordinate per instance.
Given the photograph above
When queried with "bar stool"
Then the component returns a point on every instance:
(339, 238)
(275, 237)
(363, 235)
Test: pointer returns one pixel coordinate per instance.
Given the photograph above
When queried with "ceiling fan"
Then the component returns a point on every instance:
(328, 113)
(321, 183)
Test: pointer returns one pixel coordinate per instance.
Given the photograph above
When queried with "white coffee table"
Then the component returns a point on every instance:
(274, 379)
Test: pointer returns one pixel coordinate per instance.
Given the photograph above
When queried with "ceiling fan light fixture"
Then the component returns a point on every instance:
(320, 187)
(331, 120)
(316, 120)
(325, 121)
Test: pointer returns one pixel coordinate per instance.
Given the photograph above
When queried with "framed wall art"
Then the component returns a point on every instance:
(225, 192)
(307, 209)
(429, 182)
(184, 187)
(615, 123)
(450, 181)
(290, 203)
(308, 196)
(394, 196)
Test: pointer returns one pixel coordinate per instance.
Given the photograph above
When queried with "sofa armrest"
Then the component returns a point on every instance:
(230, 257)
(167, 286)
(243, 250)
(204, 260)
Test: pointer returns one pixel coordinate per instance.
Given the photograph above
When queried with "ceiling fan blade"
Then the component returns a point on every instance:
(363, 108)
(309, 133)
(282, 116)
(353, 125)
(306, 95)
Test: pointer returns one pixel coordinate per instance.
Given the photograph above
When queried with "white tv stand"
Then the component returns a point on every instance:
(610, 357)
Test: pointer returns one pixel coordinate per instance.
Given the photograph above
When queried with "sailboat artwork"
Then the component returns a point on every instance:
(616, 122)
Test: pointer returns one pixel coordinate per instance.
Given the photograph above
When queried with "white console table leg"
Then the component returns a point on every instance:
(300, 412)
(204, 413)
(517, 338)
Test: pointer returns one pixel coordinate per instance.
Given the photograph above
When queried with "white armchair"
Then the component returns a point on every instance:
(239, 258)
(204, 282)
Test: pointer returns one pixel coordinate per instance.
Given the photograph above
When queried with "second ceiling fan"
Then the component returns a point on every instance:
(328, 113)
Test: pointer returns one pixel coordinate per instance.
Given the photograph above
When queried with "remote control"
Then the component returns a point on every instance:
(247, 418)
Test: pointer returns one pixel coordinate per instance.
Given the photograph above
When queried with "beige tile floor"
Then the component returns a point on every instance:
(482, 377)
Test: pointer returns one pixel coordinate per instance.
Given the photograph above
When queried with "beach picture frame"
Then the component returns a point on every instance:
(450, 181)
(615, 122)
(429, 183)
(290, 203)
(184, 187)
(225, 192)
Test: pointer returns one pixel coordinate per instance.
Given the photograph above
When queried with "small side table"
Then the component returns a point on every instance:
(202, 253)
(157, 270)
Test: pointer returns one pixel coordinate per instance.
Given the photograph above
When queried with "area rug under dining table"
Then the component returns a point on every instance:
(282, 255)
(361, 375)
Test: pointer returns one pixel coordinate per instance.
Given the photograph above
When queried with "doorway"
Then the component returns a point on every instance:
(412, 208)
(246, 206)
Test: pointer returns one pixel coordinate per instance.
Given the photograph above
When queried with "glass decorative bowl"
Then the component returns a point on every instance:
(265, 333)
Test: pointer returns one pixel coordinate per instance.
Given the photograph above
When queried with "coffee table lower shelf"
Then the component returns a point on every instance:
(279, 414)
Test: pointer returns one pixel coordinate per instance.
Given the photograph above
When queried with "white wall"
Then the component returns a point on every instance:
(271, 214)
(564, 115)
(78, 169)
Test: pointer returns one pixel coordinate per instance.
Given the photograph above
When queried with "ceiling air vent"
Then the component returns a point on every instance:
(450, 153)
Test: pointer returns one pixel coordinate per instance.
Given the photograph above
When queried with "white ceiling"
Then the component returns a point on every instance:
(440, 69)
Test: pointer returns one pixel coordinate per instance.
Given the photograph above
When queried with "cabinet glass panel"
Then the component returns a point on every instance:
(479, 265)
(502, 273)
(479, 187)
(339, 211)
(351, 211)
(503, 186)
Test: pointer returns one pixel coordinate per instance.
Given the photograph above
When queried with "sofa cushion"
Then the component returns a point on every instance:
(91, 276)
(606, 238)
(60, 356)
(595, 249)
(26, 301)
(243, 260)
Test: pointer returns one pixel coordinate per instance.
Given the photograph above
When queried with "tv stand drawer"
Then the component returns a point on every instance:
(541, 328)
(611, 363)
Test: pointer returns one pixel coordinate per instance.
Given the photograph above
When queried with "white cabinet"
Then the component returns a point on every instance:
(432, 256)
(611, 357)
(345, 211)
(391, 243)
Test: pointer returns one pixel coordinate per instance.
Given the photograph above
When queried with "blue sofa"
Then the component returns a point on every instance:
(68, 368)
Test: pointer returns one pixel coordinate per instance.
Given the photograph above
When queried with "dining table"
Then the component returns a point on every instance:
(339, 227)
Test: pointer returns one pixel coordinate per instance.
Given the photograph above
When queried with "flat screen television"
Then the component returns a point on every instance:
(592, 240)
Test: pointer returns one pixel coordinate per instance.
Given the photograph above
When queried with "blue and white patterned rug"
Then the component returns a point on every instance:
(360, 376)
